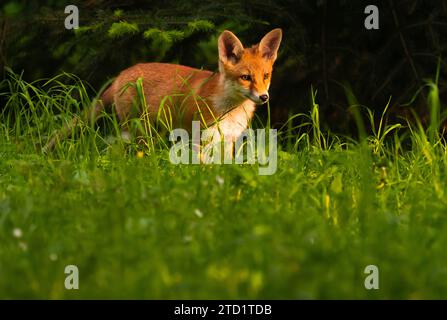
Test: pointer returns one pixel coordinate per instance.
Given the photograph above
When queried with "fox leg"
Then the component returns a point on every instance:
(217, 148)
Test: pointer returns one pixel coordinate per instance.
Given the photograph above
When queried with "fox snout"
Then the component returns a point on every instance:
(259, 98)
(264, 98)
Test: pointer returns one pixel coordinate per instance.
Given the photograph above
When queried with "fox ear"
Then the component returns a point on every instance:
(230, 48)
(270, 43)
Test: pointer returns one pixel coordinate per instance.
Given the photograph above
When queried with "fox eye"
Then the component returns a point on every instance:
(266, 76)
(246, 77)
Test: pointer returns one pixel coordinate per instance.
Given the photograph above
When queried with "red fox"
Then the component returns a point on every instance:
(224, 102)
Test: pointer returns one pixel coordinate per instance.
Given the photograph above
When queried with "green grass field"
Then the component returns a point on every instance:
(141, 227)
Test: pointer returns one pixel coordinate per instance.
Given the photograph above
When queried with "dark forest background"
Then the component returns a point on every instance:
(325, 46)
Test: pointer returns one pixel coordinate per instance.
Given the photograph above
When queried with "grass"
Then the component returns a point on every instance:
(140, 227)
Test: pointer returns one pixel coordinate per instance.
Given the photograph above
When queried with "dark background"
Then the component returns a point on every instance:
(325, 46)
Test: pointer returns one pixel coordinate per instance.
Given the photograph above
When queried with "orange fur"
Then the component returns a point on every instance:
(193, 94)
(224, 102)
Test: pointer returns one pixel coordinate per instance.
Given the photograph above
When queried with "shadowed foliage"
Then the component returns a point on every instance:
(325, 45)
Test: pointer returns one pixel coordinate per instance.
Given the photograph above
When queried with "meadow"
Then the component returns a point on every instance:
(140, 227)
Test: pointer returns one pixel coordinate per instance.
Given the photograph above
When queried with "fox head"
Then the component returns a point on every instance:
(248, 71)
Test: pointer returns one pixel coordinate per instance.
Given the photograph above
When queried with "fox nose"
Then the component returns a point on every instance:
(264, 98)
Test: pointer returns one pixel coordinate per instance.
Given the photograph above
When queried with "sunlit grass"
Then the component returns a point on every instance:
(139, 227)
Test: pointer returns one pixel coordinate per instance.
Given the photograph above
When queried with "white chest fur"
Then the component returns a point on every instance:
(233, 123)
